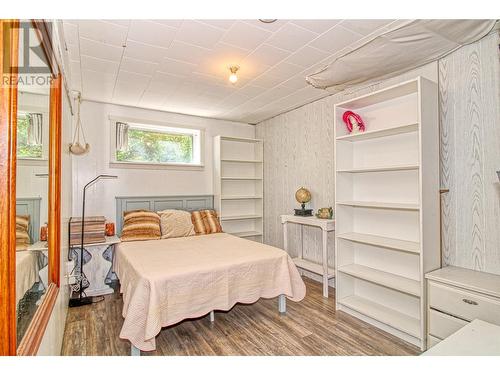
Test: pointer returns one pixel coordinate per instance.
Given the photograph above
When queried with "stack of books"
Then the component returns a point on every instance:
(94, 229)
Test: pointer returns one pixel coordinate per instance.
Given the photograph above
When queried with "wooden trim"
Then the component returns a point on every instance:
(45, 37)
(33, 337)
(54, 234)
(9, 34)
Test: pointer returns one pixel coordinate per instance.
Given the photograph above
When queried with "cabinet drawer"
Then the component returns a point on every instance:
(442, 325)
(431, 341)
(464, 304)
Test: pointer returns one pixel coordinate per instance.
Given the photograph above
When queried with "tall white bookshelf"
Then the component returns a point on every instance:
(239, 185)
(387, 207)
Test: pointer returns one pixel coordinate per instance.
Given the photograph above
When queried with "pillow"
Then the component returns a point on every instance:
(206, 222)
(140, 225)
(176, 223)
(22, 235)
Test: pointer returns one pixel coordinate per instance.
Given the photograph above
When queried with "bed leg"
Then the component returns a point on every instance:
(212, 316)
(282, 304)
(134, 352)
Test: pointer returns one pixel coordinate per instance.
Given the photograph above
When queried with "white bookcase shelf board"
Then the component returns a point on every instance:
(387, 207)
(326, 225)
(238, 185)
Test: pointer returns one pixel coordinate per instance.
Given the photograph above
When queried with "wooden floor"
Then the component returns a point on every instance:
(310, 327)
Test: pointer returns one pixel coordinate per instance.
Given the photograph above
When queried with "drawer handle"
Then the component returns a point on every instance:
(470, 302)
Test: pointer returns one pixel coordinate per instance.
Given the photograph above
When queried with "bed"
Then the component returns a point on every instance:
(26, 272)
(166, 281)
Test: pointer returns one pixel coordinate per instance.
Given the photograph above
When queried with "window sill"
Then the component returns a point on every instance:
(32, 162)
(172, 166)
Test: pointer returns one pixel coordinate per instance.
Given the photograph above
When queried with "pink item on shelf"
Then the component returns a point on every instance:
(352, 119)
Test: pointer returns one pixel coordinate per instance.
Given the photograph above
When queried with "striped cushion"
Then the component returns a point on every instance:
(140, 225)
(206, 222)
(22, 235)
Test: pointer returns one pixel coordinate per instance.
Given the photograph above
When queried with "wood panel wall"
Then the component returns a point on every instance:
(298, 151)
(469, 91)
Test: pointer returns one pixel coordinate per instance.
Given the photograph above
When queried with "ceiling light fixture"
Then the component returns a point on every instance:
(263, 20)
(233, 77)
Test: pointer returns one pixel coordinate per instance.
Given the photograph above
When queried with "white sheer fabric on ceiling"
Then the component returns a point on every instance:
(407, 45)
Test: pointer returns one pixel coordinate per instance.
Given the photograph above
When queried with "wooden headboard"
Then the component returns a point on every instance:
(159, 203)
(31, 207)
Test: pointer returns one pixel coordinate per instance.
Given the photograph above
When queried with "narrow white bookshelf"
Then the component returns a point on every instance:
(238, 185)
(387, 207)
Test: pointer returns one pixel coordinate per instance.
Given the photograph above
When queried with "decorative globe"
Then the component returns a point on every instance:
(303, 195)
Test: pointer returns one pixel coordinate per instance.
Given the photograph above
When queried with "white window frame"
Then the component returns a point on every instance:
(24, 161)
(158, 126)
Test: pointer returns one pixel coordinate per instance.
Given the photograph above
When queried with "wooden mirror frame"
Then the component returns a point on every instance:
(9, 37)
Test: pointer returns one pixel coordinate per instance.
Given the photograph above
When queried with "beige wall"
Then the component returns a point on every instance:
(298, 151)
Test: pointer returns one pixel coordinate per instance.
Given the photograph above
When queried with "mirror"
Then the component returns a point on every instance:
(32, 177)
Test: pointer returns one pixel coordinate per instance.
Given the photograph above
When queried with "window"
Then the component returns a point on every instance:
(139, 143)
(29, 136)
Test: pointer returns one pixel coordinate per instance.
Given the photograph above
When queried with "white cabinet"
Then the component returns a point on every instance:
(238, 185)
(457, 296)
(387, 207)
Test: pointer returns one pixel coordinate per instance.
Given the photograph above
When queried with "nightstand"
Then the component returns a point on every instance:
(457, 296)
(97, 266)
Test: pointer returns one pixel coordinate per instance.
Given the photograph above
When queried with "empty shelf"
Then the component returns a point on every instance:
(386, 205)
(240, 217)
(386, 279)
(380, 169)
(241, 161)
(387, 242)
(371, 134)
(393, 318)
(247, 234)
(312, 267)
(236, 197)
(239, 139)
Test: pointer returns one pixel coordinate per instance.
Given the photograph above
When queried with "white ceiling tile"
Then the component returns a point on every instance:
(73, 51)
(335, 39)
(70, 33)
(103, 32)
(364, 27)
(246, 36)
(267, 55)
(284, 70)
(124, 23)
(250, 90)
(199, 34)
(97, 85)
(139, 81)
(93, 48)
(99, 65)
(221, 24)
(171, 23)
(291, 37)
(296, 83)
(142, 51)
(152, 98)
(317, 26)
(151, 33)
(176, 67)
(307, 56)
(221, 58)
(186, 52)
(234, 100)
(267, 81)
(272, 27)
(160, 79)
(138, 66)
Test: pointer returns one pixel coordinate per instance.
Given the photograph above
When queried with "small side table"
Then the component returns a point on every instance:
(326, 225)
(97, 265)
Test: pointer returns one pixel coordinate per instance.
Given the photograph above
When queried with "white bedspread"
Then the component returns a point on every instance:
(166, 281)
(26, 272)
